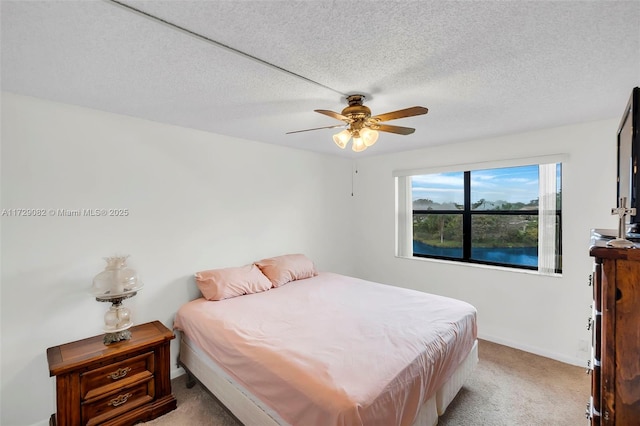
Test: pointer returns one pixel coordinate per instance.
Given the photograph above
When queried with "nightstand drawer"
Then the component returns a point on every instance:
(122, 400)
(102, 380)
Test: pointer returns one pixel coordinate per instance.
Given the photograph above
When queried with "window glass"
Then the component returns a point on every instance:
(440, 191)
(437, 235)
(512, 188)
(506, 239)
(505, 216)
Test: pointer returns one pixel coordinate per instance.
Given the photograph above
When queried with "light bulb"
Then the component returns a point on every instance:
(368, 136)
(358, 145)
(342, 138)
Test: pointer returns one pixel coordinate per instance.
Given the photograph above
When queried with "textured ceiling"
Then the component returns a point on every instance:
(482, 68)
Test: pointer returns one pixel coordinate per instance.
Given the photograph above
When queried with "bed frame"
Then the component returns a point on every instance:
(251, 411)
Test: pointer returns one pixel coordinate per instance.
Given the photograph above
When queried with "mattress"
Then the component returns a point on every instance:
(335, 350)
(249, 410)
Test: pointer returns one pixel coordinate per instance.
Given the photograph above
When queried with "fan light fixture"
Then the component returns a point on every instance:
(362, 139)
(363, 127)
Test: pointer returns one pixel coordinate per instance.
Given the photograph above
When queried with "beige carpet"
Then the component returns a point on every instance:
(509, 387)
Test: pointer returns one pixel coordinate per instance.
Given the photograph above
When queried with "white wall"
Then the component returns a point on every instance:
(544, 315)
(199, 200)
(196, 201)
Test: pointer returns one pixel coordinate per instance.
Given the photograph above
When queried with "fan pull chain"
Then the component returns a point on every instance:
(354, 172)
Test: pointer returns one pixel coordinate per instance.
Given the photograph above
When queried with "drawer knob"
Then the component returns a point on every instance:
(119, 373)
(121, 399)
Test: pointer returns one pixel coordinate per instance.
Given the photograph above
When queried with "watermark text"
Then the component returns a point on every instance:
(50, 212)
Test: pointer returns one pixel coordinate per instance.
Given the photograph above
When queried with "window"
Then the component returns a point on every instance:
(508, 216)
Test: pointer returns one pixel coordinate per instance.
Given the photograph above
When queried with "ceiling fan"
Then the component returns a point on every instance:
(362, 126)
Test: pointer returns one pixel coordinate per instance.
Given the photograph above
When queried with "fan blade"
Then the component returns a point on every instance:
(333, 115)
(401, 113)
(317, 128)
(393, 129)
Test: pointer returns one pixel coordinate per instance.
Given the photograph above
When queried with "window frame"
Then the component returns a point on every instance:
(404, 198)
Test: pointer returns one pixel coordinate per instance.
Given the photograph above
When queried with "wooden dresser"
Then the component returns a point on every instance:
(118, 384)
(615, 323)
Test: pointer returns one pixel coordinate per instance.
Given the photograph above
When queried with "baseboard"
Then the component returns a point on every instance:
(580, 362)
(177, 372)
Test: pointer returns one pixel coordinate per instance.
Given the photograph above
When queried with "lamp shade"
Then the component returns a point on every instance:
(358, 144)
(341, 139)
(116, 280)
(369, 137)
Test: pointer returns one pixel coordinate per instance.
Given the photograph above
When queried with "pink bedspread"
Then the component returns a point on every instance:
(335, 350)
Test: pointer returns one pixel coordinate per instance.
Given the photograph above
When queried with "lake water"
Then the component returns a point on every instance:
(524, 256)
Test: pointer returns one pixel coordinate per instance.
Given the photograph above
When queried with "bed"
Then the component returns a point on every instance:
(330, 350)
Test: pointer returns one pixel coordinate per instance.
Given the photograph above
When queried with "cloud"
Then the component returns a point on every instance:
(510, 184)
(439, 179)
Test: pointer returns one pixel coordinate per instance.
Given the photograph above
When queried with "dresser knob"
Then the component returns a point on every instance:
(121, 399)
(119, 373)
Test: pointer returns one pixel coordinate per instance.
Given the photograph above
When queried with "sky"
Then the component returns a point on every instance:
(513, 184)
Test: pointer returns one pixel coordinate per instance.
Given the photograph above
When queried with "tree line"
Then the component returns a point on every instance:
(488, 230)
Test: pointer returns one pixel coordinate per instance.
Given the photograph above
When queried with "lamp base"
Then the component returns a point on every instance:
(116, 337)
(117, 320)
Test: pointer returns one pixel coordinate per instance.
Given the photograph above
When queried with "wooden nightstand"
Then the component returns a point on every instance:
(118, 384)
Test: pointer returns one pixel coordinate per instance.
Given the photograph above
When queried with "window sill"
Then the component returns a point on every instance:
(478, 265)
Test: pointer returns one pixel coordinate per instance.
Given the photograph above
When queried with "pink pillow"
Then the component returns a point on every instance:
(218, 284)
(290, 267)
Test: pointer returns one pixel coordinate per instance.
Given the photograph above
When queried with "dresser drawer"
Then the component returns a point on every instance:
(124, 399)
(102, 380)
